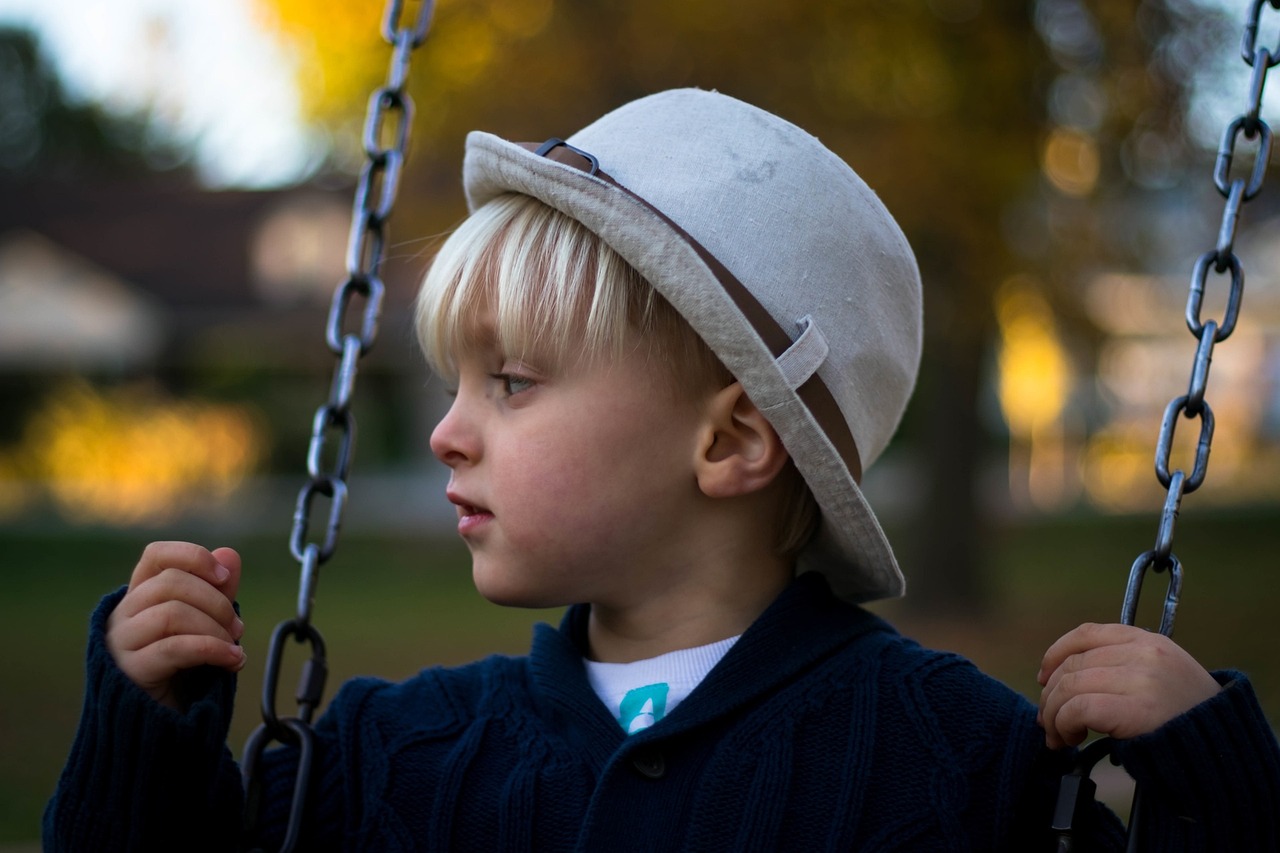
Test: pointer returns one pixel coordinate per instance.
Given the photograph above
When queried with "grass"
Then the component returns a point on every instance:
(391, 606)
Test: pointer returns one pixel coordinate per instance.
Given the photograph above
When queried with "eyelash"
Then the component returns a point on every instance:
(507, 380)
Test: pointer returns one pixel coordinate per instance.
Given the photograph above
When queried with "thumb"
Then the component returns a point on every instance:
(229, 559)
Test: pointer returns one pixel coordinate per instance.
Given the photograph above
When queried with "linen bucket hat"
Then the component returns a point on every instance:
(779, 256)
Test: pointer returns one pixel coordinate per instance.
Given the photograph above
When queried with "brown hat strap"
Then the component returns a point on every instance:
(813, 392)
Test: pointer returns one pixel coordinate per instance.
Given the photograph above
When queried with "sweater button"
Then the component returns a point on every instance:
(649, 763)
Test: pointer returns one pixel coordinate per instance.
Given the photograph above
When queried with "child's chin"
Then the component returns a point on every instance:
(503, 592)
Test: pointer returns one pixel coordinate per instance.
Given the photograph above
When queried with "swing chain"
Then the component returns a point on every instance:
(385, 140)
(1219, 261)
(1076, 791)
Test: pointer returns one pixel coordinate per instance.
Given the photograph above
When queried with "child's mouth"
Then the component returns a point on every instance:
(470, 516)
(471, 519)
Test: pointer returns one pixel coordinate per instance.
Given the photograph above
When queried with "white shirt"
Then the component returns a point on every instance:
(640, 693)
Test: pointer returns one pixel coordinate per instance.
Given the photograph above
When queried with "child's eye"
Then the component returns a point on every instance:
(513, 384)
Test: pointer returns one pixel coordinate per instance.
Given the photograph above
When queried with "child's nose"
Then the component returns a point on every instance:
(454, 440)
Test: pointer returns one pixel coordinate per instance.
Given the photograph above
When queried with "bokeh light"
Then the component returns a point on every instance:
(1070, 161)
(129, 455)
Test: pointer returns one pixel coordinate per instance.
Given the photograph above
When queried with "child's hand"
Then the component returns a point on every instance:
(1116, 679)
(177, 615)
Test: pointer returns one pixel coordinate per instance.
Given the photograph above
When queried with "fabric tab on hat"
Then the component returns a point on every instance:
(803, 358)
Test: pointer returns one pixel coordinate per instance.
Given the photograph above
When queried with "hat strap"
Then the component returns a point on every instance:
(798, 360)
(803, 358)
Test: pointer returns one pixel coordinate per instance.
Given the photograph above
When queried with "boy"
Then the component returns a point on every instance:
(673, 343)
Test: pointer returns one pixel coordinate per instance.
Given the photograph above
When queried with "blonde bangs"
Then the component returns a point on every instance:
(554, 294)
(551, 289)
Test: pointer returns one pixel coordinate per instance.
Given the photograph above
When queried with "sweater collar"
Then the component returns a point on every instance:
(805, 624)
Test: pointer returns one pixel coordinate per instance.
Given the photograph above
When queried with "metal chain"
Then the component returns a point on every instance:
(389, 117)
(1077, 790)
(1219, 261)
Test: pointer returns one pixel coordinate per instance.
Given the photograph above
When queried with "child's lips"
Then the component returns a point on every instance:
(470, 515)
(472, 519)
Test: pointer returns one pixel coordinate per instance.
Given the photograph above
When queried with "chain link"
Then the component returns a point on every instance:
(356, 305)
(1076, 788)
(1222, 259)
(1248, 43)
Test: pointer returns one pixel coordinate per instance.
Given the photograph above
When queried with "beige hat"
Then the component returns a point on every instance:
(781, 259)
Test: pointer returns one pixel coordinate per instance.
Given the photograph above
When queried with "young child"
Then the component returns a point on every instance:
(674, 343)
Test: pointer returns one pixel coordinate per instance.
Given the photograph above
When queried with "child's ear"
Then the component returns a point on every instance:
(739, 452)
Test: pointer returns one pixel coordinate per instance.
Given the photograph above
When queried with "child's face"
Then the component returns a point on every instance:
(572, 484)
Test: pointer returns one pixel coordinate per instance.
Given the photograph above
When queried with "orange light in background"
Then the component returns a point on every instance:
(1142, 375)
(1070, 162)
(1035, 379)
(1118, 468)
(1035, 376)
(135, 456)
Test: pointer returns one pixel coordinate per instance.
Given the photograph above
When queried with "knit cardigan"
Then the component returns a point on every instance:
(821, 729)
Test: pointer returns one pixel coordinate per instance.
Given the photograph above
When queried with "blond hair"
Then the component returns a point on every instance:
(554, 290)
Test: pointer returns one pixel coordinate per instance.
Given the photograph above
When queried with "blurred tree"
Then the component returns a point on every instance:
(45, 135)
(1003, 134)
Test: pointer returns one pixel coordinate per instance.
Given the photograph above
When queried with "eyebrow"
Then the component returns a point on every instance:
(476, 331)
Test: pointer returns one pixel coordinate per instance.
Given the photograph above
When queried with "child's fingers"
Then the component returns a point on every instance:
(1069, 724)
(1118, 680)
(173, 618)
(1088, 636)
(185, 556)
(230, 560)
(153, 666)
(175, 585)
(154, 645)
(1101, 698)
(1103, 657)
(177, 614)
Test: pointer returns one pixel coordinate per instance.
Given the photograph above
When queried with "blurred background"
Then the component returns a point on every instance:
(175, 191)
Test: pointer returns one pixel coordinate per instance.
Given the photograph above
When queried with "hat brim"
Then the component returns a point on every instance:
(850, 549)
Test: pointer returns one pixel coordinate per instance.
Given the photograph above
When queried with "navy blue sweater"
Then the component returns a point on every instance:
(821, 729)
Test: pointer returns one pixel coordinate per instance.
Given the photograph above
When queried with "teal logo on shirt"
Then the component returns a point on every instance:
(642, 707)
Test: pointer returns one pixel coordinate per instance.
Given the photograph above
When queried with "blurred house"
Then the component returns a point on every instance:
(220, 297)
(58, 310)
(205, 260)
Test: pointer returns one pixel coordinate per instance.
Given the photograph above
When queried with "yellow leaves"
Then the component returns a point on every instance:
(885, 66)
(130, 456)
(520, 18)
(472, 46)
(341, 56)
(338, 50)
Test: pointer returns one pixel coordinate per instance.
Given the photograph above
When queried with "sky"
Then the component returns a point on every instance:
(205, 67)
